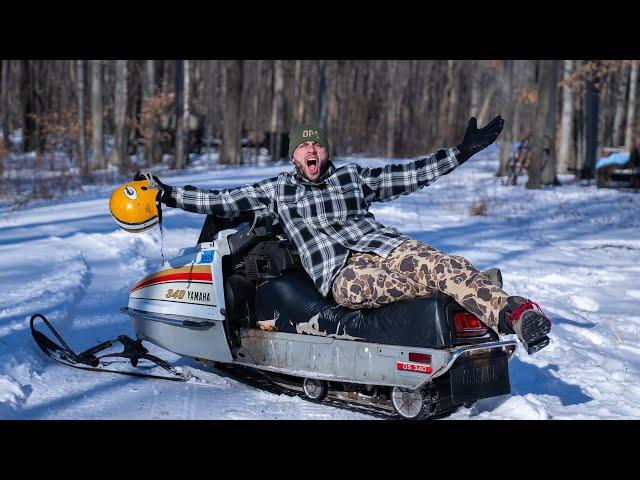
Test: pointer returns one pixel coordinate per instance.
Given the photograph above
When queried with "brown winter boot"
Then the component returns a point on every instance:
(526, 319)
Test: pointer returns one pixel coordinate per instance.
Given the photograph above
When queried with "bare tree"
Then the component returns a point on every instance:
(232, 124)
(211, 88)
(32, 103)
(475, 88)
(391, 108)
(97, 139)
(321, 105)
(581, 128)
(182, 150)
(179, 99)
(486, 104)
(592, 116)
(623, 78)
(445, 102)
(543, 151)
(506, 138)
(548, 175)
(257, 97)
(119, 152)
(277, 109)
(631, 105)
(299, 93)
(4, 108)
(566, 128)
(82, 141)
(148, 93)
(5, 103)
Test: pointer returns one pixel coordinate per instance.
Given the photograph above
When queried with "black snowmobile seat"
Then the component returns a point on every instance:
(297, 307)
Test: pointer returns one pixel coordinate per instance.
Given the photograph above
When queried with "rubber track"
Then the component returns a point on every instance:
(260, 380)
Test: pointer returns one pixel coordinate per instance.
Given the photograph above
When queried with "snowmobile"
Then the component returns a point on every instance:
(417, 359)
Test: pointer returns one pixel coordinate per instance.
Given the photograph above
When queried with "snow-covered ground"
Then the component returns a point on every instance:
(574, 249)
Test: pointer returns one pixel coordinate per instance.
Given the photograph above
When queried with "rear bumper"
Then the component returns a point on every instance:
(507, 346)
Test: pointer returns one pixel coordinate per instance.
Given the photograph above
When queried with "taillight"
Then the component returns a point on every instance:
(468, 325)
(419, 357)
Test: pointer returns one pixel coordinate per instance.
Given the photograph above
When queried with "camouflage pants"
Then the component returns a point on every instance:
(415, 269)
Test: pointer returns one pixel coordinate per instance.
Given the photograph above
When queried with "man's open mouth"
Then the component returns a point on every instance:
(312, 165)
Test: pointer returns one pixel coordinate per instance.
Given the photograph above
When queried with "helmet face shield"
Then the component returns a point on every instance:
(133, 206)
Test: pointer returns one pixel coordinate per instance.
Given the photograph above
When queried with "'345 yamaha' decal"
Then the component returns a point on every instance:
(178, 294)
(191, 295)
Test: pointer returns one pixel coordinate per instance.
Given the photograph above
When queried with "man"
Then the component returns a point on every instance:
(324, 212)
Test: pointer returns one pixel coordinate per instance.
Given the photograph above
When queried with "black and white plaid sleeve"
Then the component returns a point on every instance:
(227, 203)
(393, 180)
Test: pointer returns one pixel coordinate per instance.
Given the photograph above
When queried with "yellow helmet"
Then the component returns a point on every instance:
(133, 206)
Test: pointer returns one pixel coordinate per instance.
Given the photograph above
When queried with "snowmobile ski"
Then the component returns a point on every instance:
(88, 359)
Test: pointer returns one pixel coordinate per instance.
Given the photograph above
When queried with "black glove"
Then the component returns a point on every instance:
(164, 188)
(476, 140)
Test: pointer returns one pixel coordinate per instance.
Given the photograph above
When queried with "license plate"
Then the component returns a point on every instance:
(480, 376)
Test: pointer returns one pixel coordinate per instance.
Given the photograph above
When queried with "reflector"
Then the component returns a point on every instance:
(468, 325)
(419, 357)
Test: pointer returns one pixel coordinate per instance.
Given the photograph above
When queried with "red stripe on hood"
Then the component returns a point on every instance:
(201, 277)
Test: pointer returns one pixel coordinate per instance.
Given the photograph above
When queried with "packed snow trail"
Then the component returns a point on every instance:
(574, 249)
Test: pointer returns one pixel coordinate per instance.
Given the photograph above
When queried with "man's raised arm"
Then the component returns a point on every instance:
(226, 203)
(393, 180)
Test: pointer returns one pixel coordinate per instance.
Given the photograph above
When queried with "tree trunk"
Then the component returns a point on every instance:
(454, 100)
(32, 106)
(82, 142)
(542, 152)
(623, 78)
(566, 129)
(182, 148)
(119, 152)
(475, 88)
(97, 139)
(548, 175)
(604, 132)
(232, 124)
(444, 128)
(321, 106)
(277, 108)
(5, 104)
(506, 137)
(299, 97)
(255, 100)
(592, 116)
(334, 74)
(166, 75)
(581, 141)
(629, 139)
(391, 108)
(4, 109)
(178, 105)
(484, 110)
(147, 120)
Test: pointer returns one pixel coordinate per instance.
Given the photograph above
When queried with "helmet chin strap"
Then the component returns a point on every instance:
(159, 207)
(149, 177)
(153, 185)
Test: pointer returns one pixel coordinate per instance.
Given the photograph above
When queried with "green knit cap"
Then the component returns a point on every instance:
(305, 133)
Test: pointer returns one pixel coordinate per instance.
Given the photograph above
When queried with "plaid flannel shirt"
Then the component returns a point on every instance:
(327, 219)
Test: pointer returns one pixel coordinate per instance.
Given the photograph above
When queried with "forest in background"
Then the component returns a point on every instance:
(70, 121)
